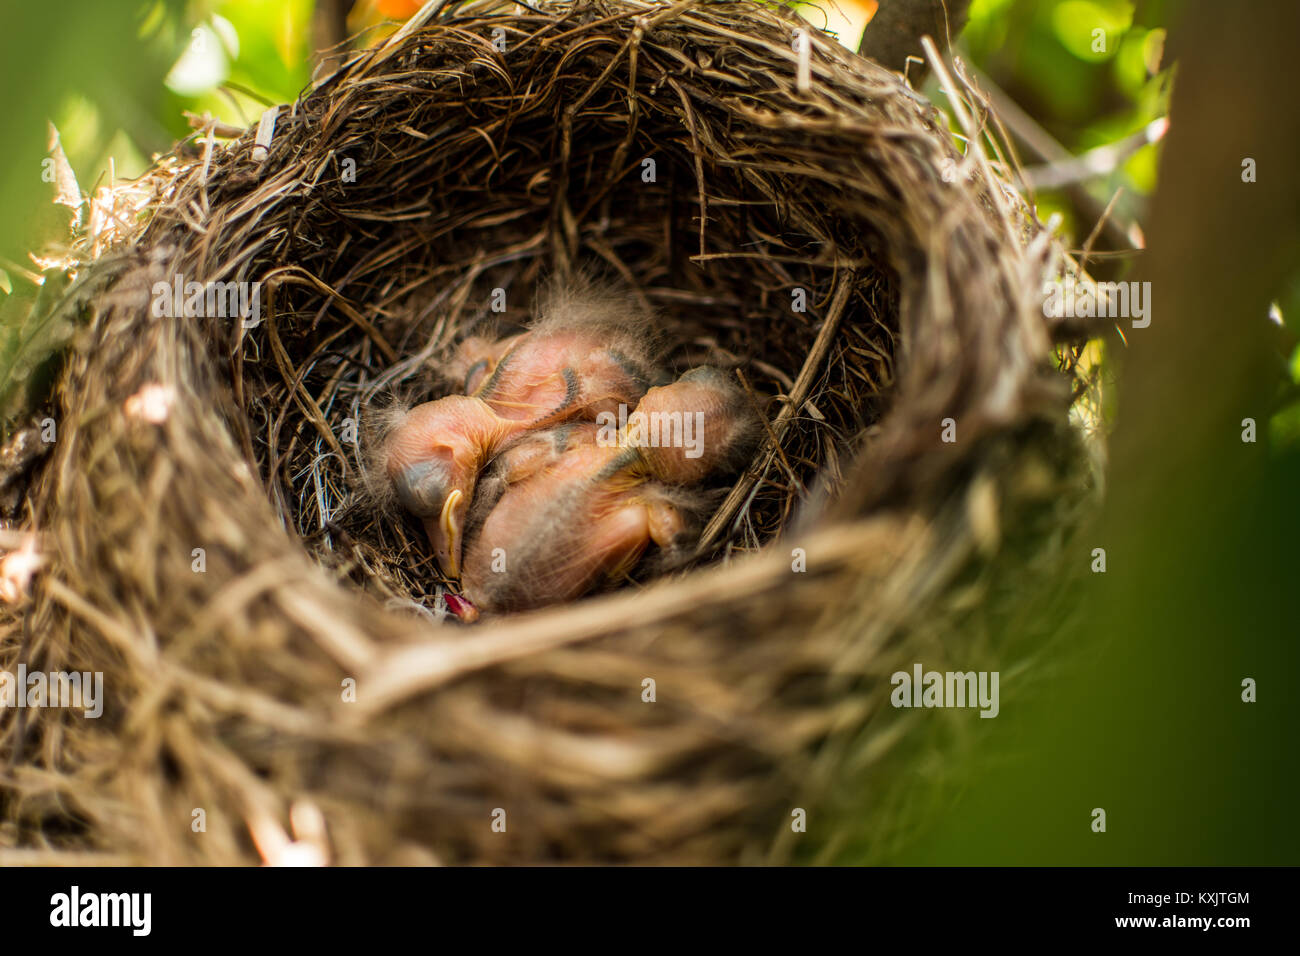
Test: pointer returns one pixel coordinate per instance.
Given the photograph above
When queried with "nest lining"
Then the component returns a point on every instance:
(395, 198)
(426, 284)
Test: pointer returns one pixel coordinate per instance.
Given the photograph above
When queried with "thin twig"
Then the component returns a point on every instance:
(798, 395)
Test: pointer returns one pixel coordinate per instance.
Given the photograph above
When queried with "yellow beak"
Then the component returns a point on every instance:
(449, 522)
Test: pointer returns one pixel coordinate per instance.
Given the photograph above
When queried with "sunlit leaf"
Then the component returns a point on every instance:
(204, 64)
(1130, 64)
(1090, 29)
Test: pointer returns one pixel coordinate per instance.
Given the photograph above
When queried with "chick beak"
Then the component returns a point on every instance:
(447, 545)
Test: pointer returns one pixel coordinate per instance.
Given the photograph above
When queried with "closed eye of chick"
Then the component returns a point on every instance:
(475, 359)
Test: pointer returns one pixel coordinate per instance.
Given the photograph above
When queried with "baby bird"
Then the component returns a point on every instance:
(433, 457)
(560, 513)
(590, 344)
(561, 510)
(588, 352)
(475, 359)
(698, 426)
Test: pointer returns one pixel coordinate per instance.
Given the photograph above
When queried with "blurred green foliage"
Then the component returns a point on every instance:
(116, 78)
(259, 46)
(88, 61)
(228, 58)
(1090, 72)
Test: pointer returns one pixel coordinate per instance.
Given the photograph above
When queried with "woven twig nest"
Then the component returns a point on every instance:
(272, 646)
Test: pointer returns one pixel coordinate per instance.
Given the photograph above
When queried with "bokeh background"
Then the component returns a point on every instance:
(1135, 702)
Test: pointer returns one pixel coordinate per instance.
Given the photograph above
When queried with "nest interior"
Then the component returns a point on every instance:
(271, 644)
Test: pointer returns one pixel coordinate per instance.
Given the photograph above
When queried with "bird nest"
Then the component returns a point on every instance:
(279, 672)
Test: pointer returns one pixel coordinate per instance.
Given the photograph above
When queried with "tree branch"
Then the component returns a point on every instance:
(895, 32)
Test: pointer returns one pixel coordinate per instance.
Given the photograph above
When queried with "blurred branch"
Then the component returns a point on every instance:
(1095, 163)
(207, 121)
(329, 32)
(895, 32)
